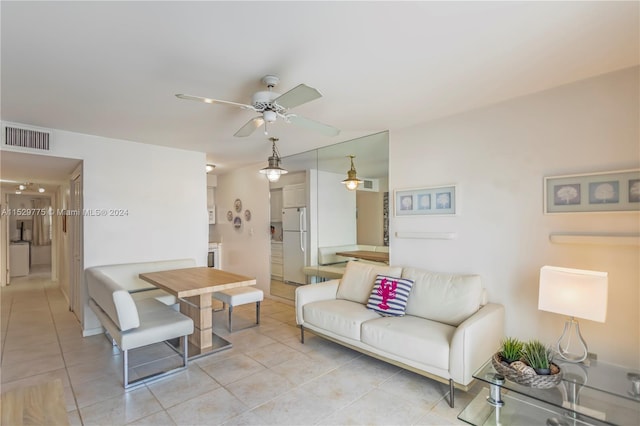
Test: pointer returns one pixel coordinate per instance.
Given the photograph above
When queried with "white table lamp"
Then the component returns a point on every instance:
(578, 294)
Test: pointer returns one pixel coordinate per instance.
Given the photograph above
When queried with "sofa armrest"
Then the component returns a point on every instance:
(314, 293)
(475, 341)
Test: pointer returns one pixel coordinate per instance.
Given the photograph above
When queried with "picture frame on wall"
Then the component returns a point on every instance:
(615, 191)
(427, 201)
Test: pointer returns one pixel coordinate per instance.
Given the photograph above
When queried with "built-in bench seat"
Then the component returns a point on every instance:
(332, 266)
(141, 318)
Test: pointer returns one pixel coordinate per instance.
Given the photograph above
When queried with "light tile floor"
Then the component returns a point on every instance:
(267, 378)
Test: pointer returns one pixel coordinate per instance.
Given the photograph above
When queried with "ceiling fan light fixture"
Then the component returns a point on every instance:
(273, 171)
(269, 116)
(352, 181)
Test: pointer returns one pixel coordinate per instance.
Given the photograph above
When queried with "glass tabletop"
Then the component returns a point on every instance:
(603, 392)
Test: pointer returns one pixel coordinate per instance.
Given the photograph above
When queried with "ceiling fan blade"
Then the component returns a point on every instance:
(313, 125)
(299, 95)
(213, 101)
(250, 127)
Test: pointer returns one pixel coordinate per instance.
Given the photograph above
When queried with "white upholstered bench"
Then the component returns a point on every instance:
(240, 296)
(136, 323)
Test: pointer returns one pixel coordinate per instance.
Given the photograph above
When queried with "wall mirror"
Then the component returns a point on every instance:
(312, 211)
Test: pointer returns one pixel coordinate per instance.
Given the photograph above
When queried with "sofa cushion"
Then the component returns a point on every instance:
(414, 338)
(389, 295)
(446, 298)
(341, 317)
(358, 280)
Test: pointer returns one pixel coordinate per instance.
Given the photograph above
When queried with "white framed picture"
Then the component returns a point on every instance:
(427, 201)
(616, 191)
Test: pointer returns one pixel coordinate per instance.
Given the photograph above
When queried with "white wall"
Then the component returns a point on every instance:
(163, 191)
(498, 156)
(246, 250)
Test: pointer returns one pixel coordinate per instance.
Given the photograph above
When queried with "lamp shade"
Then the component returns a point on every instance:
(573, 292)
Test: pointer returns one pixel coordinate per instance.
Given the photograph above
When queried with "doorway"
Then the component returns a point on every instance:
(42, 177)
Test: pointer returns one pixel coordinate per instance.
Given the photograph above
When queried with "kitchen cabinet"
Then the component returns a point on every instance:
(276, 205)
(211, 204)
(294, 195)
(211, 197)
(276, 260)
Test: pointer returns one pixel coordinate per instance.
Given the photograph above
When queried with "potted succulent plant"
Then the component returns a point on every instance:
(538, 356)
(511, 349)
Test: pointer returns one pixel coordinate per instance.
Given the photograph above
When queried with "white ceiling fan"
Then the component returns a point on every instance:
(272, 105)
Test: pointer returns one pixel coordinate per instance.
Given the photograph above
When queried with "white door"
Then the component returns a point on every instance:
(74, 224)
(6, 261)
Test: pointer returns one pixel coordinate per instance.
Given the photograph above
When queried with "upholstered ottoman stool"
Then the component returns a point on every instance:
(240, 296)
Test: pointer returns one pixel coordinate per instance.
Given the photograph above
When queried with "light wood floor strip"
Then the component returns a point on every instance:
(41, 404)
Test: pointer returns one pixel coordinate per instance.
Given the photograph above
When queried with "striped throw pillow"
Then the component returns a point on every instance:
(389, 295)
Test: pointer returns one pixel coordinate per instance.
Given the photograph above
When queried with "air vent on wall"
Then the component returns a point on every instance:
(25, 138)
(368, 185)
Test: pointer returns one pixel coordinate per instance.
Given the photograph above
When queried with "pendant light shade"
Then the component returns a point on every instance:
(352, 180)
(273, 171)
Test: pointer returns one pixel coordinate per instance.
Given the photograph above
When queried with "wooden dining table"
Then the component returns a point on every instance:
(194, 287)
(376, 256)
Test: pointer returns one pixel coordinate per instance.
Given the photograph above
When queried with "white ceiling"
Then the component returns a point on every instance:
(112, 68)
(40, 170)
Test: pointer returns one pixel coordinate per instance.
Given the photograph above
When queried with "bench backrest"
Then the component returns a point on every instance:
(126, 274)
(327, 255)
(114, 300)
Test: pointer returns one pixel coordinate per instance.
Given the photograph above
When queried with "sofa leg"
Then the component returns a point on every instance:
(451, 391)
(257, 312)
(301, 334)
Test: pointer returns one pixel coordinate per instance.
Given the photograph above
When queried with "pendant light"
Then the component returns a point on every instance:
(273, 171)
(352, 180)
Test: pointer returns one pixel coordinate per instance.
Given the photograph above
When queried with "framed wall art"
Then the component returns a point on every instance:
(433, 200)
(616, 191)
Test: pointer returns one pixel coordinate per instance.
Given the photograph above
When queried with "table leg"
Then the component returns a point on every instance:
(203, 341)
(198, 308)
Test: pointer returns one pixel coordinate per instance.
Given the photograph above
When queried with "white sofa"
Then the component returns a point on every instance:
(448, 330)
(134, 312)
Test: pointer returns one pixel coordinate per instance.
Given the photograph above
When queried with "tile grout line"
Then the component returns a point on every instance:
(66, 367)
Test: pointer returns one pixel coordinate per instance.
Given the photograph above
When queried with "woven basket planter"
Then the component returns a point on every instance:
(546, 381)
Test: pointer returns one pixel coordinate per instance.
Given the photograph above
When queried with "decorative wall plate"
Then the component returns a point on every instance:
(247, 215)
(229, 215)
(237, 222)
(238, 205)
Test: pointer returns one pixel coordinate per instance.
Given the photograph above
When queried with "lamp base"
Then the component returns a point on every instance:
(563, 346)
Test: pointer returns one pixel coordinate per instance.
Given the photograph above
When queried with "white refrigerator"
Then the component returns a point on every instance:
(294, 244)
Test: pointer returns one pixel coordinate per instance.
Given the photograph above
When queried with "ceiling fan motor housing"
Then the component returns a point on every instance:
(264, 100)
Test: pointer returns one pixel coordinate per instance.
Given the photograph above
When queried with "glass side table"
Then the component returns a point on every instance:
(601, 394)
